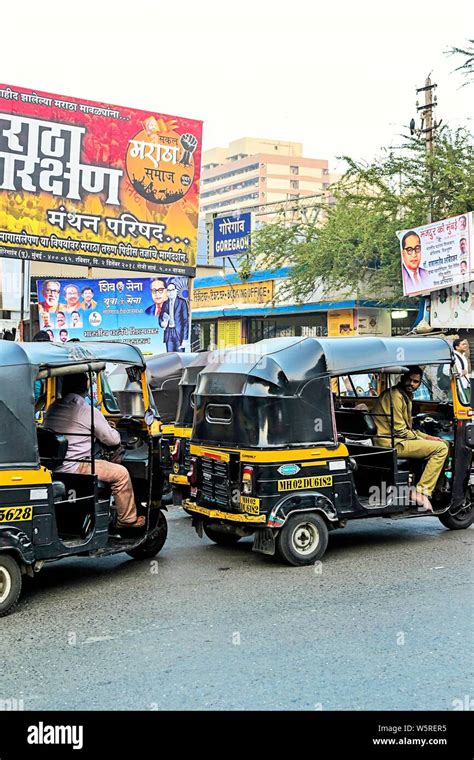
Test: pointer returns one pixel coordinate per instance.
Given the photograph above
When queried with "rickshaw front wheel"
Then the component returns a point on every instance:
(10, 583)
(463, 518)
(221, 538)
(303, 539)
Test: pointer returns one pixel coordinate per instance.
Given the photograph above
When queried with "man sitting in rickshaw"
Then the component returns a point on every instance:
(409, 443)
(71, 416)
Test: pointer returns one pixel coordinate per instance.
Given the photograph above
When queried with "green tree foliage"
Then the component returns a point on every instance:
(355, 248)
(467, 67)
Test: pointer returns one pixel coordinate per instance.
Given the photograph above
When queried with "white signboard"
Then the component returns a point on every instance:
(437, 255)
(453, 307)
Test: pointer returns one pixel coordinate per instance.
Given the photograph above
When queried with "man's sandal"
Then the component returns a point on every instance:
(139, 523)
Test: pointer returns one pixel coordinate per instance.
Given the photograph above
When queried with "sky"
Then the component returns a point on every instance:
(340, 77)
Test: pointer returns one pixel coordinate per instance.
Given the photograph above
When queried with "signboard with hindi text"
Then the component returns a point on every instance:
(233, 295)
(97, 185)
(437, 255)
(151, 312)
(229, 333)
(232, 234)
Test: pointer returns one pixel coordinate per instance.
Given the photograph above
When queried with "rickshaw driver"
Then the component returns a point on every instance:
(409, 443)
(72, 415)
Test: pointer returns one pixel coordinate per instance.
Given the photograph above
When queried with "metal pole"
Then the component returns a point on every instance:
(91, 396)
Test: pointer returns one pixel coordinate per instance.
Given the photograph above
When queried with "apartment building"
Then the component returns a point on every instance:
(251, 172)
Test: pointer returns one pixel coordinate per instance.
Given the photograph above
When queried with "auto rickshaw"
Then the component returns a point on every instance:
(275, 453)
(182, 429)
(46, 514)
(164, 372)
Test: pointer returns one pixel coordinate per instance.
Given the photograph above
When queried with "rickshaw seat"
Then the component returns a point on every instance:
(403, 464)
(355, 422)
(52, 448)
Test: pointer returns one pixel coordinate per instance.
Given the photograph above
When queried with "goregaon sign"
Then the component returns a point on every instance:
(98, 185)
(232, 235)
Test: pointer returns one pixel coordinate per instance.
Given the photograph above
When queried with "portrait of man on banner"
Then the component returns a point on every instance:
(415, 277)
(174, 318)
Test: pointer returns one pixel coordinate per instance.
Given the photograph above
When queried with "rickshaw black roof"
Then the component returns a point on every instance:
(295, 360)
(163, 366)
(193, 369)
(44, 354)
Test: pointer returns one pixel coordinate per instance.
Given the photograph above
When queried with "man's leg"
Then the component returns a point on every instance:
(118, 477)
(435, 452)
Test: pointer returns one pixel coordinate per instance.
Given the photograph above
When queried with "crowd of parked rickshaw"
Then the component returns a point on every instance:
(284, 440)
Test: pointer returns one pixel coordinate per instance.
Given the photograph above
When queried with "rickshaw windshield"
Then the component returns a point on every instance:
(17, 417)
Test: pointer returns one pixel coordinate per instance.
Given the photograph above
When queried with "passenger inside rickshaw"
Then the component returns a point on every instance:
(76, 490)
(432, 417)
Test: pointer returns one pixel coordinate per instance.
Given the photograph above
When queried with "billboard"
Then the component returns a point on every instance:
(98, 185)
(152, 312)
(436, 255)
(453, 307)
(232, 235)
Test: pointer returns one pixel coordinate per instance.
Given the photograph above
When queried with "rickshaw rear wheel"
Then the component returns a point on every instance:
(460, 521)
(154, 543)
(10, 583)
(303, 539)
(221, 538)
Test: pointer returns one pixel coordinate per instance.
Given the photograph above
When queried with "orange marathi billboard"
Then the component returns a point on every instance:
(98, 185)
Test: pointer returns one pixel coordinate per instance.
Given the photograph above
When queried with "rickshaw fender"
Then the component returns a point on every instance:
(15, 542)
(305, 501)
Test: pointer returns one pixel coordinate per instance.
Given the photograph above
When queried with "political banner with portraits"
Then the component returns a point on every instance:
(151, 313)
(97, 185)
(437, 255)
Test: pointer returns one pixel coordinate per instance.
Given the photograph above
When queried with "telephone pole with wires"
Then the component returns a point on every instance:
(428, 125)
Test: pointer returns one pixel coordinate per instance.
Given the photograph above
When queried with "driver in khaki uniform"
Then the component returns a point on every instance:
(409, 443)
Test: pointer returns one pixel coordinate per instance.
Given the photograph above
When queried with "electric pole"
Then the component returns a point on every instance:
(428, 126)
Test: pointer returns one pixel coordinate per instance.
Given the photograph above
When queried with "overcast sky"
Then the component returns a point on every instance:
(338, 76)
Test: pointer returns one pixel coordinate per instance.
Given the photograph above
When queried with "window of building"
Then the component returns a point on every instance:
(295, 169)
(294, 184)
(230, 202)
(228, 175)
(326, 171)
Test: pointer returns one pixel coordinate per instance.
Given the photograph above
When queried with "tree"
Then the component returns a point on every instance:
(356, 248)
(467, 67)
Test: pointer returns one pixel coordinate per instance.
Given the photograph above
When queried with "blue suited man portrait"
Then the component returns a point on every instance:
(174, 319)
(159, 295)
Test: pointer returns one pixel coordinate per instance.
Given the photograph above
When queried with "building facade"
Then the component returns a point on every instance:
(228, 311)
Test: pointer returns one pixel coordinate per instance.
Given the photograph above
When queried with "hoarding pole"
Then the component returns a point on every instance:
(22, 301)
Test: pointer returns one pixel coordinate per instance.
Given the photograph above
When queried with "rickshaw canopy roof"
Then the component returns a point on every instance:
(293, 361)
(50, 355)
(163, 366)
(200, 360)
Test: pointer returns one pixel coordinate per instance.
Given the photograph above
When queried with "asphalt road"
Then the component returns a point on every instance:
(384, 623)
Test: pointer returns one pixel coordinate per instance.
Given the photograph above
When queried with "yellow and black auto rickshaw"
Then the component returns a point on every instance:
(182, 429)
(164, 373)
(46, 514)
(275, 453)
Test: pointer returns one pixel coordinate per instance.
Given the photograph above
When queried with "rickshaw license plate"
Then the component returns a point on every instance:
(298, 484)
(15, 514)
(250, 505)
